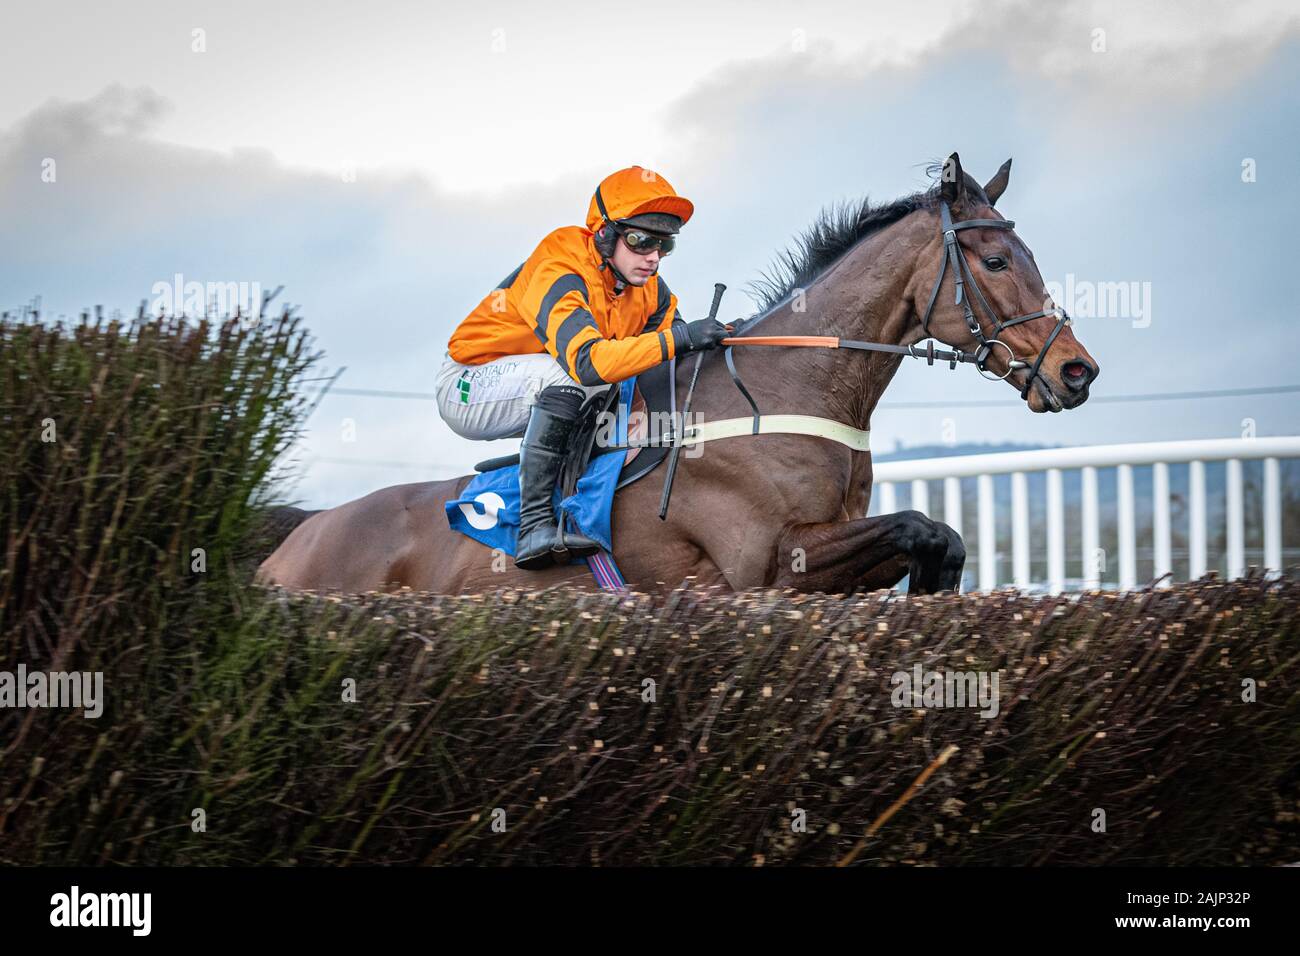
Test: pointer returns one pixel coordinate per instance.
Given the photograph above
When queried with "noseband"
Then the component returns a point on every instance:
(952, 255)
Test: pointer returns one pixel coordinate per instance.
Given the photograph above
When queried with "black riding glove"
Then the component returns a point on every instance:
(698, 336)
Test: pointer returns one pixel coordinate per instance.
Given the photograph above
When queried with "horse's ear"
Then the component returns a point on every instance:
(996, 186)
(952, 187)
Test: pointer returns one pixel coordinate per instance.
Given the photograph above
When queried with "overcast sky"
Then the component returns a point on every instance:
(388, 163)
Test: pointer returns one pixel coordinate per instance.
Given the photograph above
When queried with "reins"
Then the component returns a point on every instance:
(929, 353)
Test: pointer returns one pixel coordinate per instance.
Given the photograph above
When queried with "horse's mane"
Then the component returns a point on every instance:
(835, 231)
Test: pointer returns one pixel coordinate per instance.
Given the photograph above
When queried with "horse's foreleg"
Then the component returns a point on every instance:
(871, 553)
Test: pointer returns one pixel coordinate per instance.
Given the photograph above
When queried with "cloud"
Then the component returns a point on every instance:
(114, 111)
(1119, 57)
(1145, 51)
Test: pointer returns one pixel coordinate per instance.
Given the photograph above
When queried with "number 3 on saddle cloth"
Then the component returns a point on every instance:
(488, 507)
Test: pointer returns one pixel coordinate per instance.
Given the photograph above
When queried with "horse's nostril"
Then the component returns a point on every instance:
(1077, 374)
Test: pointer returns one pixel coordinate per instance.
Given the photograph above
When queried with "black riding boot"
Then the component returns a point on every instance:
(546, 440)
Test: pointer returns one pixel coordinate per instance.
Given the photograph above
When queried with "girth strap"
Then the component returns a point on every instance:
(859, 439)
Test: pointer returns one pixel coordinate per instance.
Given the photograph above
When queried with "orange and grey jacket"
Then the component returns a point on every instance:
(561, 301)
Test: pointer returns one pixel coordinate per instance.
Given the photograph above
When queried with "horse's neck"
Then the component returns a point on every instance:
(864, 297)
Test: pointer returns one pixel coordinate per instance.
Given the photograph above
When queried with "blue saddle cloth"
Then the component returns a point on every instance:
(488, 507)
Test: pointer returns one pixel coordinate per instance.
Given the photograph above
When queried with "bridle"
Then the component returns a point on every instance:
(962, 275)
(952, 255)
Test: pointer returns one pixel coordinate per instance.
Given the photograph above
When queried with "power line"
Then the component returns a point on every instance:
(382, 393)
(954, 405)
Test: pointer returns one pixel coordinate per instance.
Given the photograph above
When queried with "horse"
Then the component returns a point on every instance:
(773, 510)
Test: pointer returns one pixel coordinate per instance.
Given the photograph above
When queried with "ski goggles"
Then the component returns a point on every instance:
(643, 243)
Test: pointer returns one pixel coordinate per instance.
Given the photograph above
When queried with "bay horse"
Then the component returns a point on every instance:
(772, 510)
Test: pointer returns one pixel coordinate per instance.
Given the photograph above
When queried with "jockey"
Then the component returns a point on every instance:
(585, 310)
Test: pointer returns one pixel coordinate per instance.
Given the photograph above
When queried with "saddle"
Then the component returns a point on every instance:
(654, 398)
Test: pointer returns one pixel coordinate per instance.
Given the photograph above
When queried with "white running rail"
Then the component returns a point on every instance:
(1124, 458)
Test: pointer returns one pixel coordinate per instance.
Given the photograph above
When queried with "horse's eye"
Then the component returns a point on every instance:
(995, 263)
